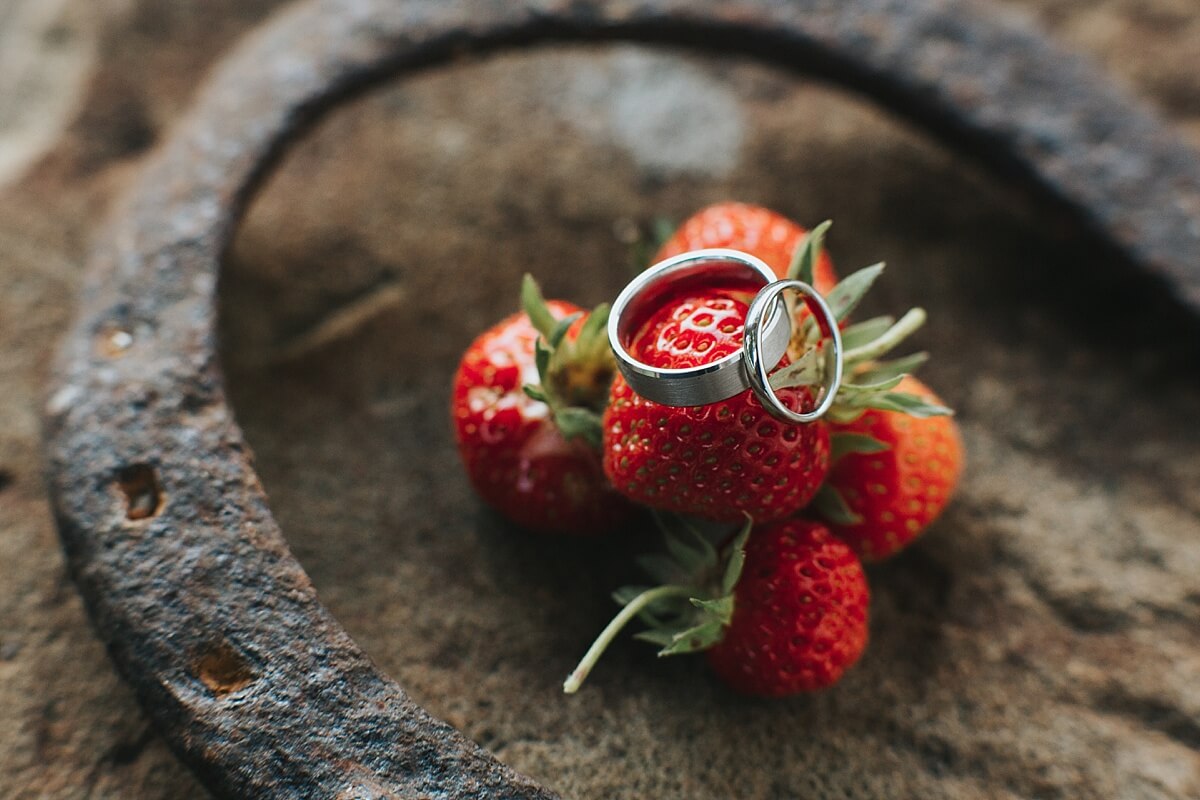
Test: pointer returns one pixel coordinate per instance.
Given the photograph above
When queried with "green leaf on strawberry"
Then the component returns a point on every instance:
(846, 296)
(882, 370)
(804, 259)
(574, 372)
(873, 387)
(804, 371)
(869, 383)
(843, 443)
(689, 611)
(869, 330)
(832, 506)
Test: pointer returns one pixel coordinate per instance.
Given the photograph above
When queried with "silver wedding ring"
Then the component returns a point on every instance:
(767, 333)
(754, 344)
(707, 383)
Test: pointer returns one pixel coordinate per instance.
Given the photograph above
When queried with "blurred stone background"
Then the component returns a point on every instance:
(1040, 642)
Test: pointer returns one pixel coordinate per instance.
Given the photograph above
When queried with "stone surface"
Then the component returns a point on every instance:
(1041, 642)
(46, 52)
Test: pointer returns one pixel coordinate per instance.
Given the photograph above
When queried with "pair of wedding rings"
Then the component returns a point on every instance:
(767, 333)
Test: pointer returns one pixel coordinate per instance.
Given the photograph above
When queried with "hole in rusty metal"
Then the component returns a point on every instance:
(223, 670)
(113, 341)
(143, 495)
(6, 479)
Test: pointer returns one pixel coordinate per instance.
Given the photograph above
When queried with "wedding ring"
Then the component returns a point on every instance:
(760, 358)
(720, 379)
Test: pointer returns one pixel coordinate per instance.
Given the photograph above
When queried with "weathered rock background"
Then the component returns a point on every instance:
(1042, 641)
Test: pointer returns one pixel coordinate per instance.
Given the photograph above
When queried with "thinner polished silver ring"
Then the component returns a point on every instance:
(760, 361)
(707, 383)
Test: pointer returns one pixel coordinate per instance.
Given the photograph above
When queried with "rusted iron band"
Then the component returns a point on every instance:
(167, 531)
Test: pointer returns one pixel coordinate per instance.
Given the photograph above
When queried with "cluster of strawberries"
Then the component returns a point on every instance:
(554, 438)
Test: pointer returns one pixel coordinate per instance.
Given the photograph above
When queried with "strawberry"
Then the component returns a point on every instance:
(752, 229)
(893, 474)
(525, 404)
(718, 461)
(783, 611)
(799, 613)
(732, 458)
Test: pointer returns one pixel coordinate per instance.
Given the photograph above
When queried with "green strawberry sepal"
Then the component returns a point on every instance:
(690, 610)
(870, 382)
(574, 373)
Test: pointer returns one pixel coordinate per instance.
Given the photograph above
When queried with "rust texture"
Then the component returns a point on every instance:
(166, 527)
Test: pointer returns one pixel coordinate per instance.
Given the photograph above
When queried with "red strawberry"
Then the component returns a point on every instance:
(799, 613)
(788, 249)
(751, 229)
(719, 461)
(728, 458)
(896, 474)
(510, 431)
(784, 611)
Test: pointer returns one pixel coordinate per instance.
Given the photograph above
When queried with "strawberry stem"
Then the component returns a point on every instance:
(631, 610)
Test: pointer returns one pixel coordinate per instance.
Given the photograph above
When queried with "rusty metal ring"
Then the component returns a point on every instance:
(167, 532)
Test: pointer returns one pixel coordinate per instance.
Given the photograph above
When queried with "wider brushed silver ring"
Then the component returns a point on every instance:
(708, 383)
